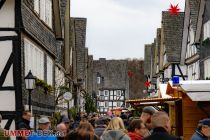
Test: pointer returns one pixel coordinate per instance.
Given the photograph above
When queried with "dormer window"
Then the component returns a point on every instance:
(44, 9)
(206, 30)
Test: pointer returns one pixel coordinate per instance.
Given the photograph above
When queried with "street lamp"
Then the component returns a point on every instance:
(30, 85)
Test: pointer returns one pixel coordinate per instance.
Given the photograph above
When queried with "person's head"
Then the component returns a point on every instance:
(146, 114)
(85, 130)
(137, 126)
(116, 123)
(27, 115)
(62, 129)
(161, 119)
(44, 123)
(205, 127)
(66, 121)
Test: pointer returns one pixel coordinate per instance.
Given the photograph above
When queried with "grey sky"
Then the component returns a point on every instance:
(118, 29)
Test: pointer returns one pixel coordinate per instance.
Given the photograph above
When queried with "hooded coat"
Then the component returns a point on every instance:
(114, 135)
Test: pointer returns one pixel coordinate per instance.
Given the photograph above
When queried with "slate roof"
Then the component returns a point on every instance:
(194, 11)
(147, 59)
(172, 26)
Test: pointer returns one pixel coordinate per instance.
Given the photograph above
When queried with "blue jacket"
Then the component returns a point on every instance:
(198, 136)
(36, 136)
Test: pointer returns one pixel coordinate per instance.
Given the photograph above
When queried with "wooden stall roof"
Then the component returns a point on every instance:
(150, 101)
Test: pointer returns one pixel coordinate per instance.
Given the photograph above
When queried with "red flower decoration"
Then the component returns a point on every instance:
(174, 10)
(147, 84)
(130, 73)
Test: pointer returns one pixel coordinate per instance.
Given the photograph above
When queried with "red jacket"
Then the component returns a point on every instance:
(135, 136)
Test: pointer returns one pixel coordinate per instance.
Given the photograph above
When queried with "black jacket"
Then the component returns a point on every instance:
(23, 125)
(160, 133)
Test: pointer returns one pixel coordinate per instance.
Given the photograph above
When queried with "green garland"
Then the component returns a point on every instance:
(207, 78)
(44, 85)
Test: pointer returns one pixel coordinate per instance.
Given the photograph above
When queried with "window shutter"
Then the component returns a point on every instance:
(36, 6)
(49, 71)
(42, 9)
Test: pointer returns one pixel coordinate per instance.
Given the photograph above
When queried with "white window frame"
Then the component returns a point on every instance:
(207, 68)
(49, 70)
(106, 93)
(206, 30)
(34, 59)
(37, 6)
(98, 80)
(101, 93)
(46, 11)
(110, 104)
(119, 93)
(119, 104)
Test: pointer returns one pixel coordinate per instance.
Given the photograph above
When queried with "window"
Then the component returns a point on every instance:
(207, 68)
(106, 104)
(101, 93)
(119, 104)
(115, 98)
(206, 30)
(101, 104)
(49, 70)
(98, 80)
(34, 59)
(101, 97)
(114, 104)
(106, 93)
(106, 98)
(111, 97)
(115, 92)
(111, 92)
(118, 93)
(110, 104)
(36, 6)
(45, 11)
(105, 109)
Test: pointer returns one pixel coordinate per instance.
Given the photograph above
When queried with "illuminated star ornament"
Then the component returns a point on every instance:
(174, 10)
(147, 84)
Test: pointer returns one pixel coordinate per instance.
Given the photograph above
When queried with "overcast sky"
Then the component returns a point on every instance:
(118, 29)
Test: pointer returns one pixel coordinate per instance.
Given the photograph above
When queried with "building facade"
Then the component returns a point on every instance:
(110, 83)
(29, 38)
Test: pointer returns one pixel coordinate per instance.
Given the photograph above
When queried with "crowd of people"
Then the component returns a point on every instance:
(150, 125)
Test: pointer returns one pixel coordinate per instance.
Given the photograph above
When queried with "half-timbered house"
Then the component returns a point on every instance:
(29, 31)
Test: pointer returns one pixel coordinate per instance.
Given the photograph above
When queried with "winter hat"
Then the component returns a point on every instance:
(44, 120)
(205, 122)
(149, 109)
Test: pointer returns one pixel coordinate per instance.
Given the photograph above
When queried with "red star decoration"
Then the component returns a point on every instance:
(147, 84)
(130, 73)
(174, 10)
